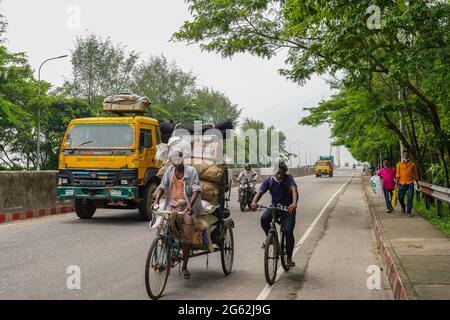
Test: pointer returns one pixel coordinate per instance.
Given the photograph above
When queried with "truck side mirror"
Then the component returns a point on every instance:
(148, 142)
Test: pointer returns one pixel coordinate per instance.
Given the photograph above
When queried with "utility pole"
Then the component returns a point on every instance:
(338, 156)
(38, 165)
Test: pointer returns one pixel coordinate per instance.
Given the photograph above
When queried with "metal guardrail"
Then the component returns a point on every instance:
(432, 193)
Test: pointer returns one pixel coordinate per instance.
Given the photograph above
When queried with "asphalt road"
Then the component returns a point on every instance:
(110, 249)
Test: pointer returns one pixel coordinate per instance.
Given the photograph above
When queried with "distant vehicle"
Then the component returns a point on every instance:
(354, 166)
(324, 168)
(347, 164)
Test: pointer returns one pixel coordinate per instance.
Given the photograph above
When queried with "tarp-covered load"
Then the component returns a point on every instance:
(126, 103)
(168, 129)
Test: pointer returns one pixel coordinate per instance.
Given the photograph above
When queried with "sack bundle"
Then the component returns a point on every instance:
(202, 231)
(210, 192)
(126, 103)
(207, 172)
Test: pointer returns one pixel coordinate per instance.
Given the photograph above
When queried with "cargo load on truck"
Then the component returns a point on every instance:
(126, 103)
(168, 129)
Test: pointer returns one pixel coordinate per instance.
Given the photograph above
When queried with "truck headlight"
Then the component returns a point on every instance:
(63, 181)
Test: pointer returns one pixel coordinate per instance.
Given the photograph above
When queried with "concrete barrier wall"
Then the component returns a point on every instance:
(27, 190)
(27, 195)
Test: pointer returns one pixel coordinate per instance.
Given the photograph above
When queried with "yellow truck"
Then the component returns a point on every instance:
(110, 162)
(324, 168)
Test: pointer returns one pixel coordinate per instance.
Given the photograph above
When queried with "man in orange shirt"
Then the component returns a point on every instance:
(406, 175)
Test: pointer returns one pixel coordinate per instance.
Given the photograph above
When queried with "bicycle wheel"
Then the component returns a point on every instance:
(157, 268)
(271, 258)
(227, 251)
(283, 253)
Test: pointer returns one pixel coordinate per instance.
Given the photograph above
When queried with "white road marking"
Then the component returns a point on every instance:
(267, 289)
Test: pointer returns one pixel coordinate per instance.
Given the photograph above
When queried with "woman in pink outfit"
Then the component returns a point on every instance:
(388, 174)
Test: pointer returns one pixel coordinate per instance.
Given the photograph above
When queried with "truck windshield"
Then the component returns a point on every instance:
(94, 136)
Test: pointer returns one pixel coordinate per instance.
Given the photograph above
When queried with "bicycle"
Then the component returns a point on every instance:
(273, 249)
(165, 252)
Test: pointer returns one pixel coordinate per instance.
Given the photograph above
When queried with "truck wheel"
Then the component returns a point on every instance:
(145, 207)
(85, 209)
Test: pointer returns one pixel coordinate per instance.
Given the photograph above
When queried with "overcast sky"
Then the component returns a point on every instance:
(45, 28)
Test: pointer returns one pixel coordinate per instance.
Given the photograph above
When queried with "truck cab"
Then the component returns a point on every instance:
(324, 168)
(110, 163)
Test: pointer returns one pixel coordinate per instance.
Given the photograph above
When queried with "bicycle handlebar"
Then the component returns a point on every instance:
(279, 207)
(158, 217)
(161, 213)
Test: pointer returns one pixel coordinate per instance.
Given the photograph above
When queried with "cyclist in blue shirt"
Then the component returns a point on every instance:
(284, 192)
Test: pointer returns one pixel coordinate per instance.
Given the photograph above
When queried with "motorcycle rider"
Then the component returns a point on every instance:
(249, 174)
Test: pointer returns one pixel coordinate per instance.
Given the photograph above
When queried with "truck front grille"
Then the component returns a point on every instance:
(94, 178)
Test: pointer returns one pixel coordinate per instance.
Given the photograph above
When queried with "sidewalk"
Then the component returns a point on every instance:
(338, 266)
(416, 255)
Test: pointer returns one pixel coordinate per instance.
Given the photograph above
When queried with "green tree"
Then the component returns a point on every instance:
(260, 128)
(408, 52)
(56, 115)
(17, 89)
(99, 68)
(216, 106)
(166, 84)
(19, 106)
(175, 94)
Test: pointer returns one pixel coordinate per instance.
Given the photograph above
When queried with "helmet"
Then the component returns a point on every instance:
(248, 167)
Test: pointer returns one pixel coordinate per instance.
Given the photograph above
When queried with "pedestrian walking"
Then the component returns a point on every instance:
(405, 177)
(388, 174)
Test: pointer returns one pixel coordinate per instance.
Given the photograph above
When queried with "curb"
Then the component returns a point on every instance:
(34, 214)
(387, 258)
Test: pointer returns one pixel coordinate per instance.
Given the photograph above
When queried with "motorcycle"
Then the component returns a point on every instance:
(246, 194)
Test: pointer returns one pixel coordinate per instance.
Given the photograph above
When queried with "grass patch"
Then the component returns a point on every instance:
(443, 223)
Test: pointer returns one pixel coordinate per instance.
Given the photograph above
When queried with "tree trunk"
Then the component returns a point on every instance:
(416, 148)
(444, 164)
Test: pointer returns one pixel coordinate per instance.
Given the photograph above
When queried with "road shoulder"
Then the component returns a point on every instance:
(416, 255)
(339, 264)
